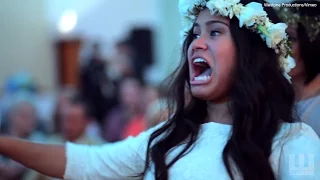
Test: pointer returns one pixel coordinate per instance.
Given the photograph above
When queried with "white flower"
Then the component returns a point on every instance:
(251, 13)
(256, 6)
(267, 23)
(223, 7)
(233, 8)
(187, 6)
(235, 11)
(286, 75)
(212, 6)
(263, 36)
(283, 47)
(288, 64)
(201, 2)
(233, 2)
(276, 33)
(220, 6)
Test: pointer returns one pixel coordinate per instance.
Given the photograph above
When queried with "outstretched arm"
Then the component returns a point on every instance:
(46, 159)
(121, 160)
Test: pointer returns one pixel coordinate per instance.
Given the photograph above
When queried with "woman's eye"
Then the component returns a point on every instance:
(214, 33)
(195, 36)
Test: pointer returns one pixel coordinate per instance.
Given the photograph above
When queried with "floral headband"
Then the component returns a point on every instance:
(311, 23)
(252, 16)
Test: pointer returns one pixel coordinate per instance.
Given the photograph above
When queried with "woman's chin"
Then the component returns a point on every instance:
(200, 93)
(209, 95)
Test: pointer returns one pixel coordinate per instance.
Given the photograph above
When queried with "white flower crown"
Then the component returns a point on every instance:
(252, 16)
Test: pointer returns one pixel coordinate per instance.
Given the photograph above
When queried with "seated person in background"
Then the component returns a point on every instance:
(75, 121)
(127, 117)
(137, 123)
(22, 122)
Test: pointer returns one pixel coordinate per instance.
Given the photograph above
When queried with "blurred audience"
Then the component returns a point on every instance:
(19, 84)
(118, 121)
(111, 103)
(121, 64)
(63, 102)
(22, 123)
(96, 87)
(75, 121)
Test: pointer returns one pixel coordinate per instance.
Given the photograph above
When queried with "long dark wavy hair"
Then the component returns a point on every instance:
(261, 99)
(309, 50)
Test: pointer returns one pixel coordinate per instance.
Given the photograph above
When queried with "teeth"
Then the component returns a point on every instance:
(202, 78)
(199, 60)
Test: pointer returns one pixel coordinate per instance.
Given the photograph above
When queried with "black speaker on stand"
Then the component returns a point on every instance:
(141, 41)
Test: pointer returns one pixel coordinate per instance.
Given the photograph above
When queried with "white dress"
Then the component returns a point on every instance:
(309, 110)
(121, 160)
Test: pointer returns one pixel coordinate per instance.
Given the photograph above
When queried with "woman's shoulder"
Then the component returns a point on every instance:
(309, 104)
(296, 146)
(297, 138)
(296, 130)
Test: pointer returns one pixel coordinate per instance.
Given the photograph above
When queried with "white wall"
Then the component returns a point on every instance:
(29, 30)
(25, 44)
(106, 20)
(167, 36)
(169, 47)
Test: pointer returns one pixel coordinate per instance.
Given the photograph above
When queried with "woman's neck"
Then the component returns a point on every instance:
(298, 86)
(312, 89)
(219, 113)
(306, 91)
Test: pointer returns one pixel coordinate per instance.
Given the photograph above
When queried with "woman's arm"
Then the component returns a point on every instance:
(46, 159)
(121, 160)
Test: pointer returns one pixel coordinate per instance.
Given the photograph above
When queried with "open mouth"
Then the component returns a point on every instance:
(202, 70)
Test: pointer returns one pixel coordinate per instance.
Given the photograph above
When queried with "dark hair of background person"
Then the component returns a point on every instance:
(309, 50)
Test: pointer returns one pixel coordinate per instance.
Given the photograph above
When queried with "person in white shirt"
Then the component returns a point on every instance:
(237, 121)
